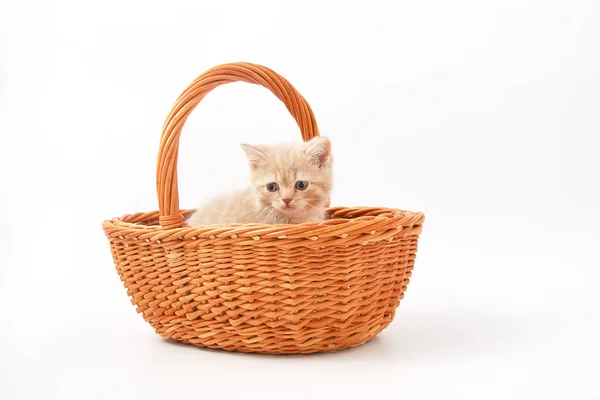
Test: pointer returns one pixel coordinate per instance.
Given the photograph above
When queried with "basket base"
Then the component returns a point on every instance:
(272, 341)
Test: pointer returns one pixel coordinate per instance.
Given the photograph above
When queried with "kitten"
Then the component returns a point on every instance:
(290, 184)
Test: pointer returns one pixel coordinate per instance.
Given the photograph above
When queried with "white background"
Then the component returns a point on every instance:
(482, 114)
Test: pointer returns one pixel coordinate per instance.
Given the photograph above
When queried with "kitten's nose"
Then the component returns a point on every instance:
(287, 200)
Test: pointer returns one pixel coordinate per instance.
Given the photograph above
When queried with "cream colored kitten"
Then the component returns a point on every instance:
(290, 184)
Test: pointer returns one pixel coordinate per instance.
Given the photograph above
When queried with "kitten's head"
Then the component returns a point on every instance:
(292, 180)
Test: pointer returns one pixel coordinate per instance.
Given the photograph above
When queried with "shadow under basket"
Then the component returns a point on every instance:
(279, 289)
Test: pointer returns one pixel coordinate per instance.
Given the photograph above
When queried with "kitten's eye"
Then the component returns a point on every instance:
(301, 185)
(272, 187)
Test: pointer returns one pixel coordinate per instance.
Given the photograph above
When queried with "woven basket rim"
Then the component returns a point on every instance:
(348, 224)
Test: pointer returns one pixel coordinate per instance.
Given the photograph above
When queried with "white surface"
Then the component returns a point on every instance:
(482, 114)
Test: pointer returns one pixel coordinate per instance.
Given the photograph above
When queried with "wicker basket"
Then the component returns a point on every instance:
(261, 288)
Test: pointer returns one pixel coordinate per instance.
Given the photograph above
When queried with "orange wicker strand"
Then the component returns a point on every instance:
(279, 289)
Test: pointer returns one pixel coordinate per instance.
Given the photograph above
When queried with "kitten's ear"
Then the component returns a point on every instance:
(256, 155)
(319, 151)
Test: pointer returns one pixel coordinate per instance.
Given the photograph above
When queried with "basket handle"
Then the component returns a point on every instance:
(166, 167)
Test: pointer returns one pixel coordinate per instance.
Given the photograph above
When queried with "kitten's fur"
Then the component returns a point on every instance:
(284, 165)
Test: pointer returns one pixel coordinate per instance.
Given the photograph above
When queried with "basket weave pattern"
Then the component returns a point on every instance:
(262, 288)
